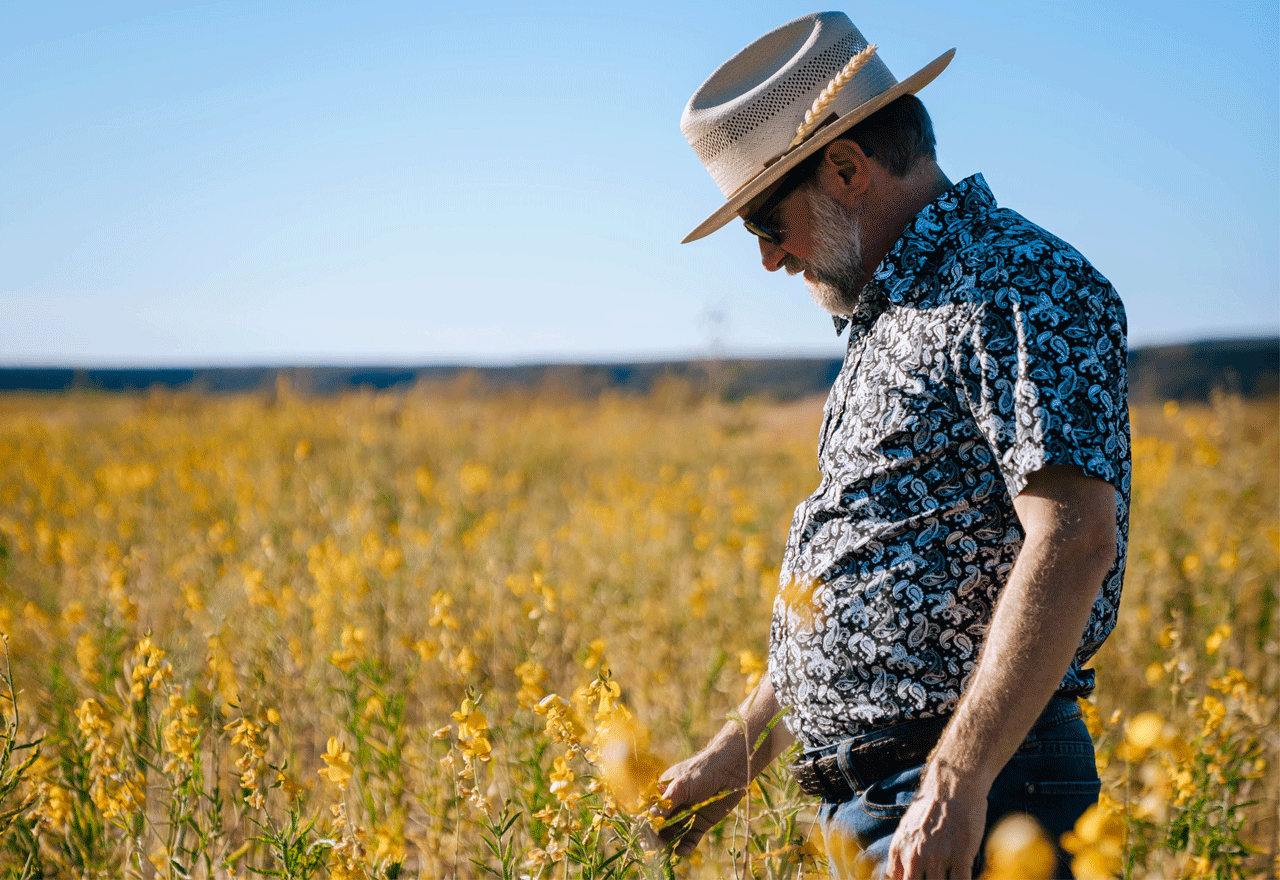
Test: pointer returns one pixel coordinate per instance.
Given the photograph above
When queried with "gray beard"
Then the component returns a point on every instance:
(836, 262)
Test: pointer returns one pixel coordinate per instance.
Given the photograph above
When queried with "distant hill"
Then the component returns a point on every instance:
(1192, 371)
(1188, 372)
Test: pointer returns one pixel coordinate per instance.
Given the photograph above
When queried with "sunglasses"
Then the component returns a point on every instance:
(762, 223)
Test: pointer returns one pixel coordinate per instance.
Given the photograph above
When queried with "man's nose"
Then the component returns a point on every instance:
(771, 255)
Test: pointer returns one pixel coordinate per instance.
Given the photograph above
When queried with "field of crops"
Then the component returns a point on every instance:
(444, 633)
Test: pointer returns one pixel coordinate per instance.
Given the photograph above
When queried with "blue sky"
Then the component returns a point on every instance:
(384, 182)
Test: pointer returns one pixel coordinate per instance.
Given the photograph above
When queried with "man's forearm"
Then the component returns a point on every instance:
(1034, 634)
(1069, 521)
(757, 716)
(707, 786)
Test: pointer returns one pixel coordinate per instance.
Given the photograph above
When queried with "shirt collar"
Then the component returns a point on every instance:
(922, 239)
(926, 234)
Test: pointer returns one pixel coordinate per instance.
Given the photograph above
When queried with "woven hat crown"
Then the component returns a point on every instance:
(745, 121)
(747, 112)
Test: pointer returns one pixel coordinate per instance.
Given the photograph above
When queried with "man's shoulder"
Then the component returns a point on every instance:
(1002, 237)
(999, 254)
(967, 251)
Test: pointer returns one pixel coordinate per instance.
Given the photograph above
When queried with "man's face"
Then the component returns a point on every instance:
(833, 267)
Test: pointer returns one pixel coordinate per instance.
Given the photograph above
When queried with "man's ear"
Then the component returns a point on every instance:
(845, 170)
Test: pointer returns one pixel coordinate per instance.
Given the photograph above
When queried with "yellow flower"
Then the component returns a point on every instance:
(95, 725)
(1221, 633)
(373, 708)
(464, 661)
(1199, 866)
(1097, 841)
(73, 613)
(1214, 712)
(476, 747)
(752, 667)
(844, 855)
(244, 732)
(55, 805)
(561, 726)
(608, 708)
(1018, 849)
(1092, 718)
(87, 655)
(562, 779)
(159, 859)
(532, 675)
(1144, 730)
(441, 602)
(423, 480)
(473, 731)
(353, 650)
(181, 733)
(338, 767)
(1091, 864)
(148, 671)
(475, 478)
(627, 766)
(595, 654)
(469, 716)
(291, 788)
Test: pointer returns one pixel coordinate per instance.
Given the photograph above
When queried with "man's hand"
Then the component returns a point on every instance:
(941, 831)
(708, 784)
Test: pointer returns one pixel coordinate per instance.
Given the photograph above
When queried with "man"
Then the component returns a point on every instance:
(962, 556)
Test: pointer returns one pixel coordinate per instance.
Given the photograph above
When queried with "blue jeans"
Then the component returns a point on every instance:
(1052, 777)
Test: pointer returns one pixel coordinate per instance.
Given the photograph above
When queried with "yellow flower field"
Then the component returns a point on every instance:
(443, 633)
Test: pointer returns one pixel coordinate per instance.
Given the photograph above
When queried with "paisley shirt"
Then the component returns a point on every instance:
(982, 350)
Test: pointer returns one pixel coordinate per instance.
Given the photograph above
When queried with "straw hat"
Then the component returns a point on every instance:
(747, 122)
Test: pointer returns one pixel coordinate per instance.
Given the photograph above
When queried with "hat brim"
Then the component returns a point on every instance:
(775, 172)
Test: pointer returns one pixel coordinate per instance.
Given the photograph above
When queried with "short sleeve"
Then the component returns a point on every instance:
(1043, 368)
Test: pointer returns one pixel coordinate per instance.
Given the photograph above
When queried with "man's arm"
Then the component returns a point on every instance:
(725, 766)
(1070, 525)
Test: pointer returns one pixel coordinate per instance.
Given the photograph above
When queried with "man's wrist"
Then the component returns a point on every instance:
(957, 774)
(730, 749)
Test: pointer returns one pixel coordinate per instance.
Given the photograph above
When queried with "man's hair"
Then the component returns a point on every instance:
(899, 135)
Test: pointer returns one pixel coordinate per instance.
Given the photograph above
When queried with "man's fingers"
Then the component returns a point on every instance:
(692, 835)
(909, 864)
(897, 869)
(674, 832)
(683, 824)
(903, 858)
(669, 809)
(673, 797)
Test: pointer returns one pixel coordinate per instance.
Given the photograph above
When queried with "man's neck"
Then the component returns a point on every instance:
(899, 199)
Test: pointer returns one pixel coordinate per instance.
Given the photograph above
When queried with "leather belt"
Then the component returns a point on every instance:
(841, 772)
